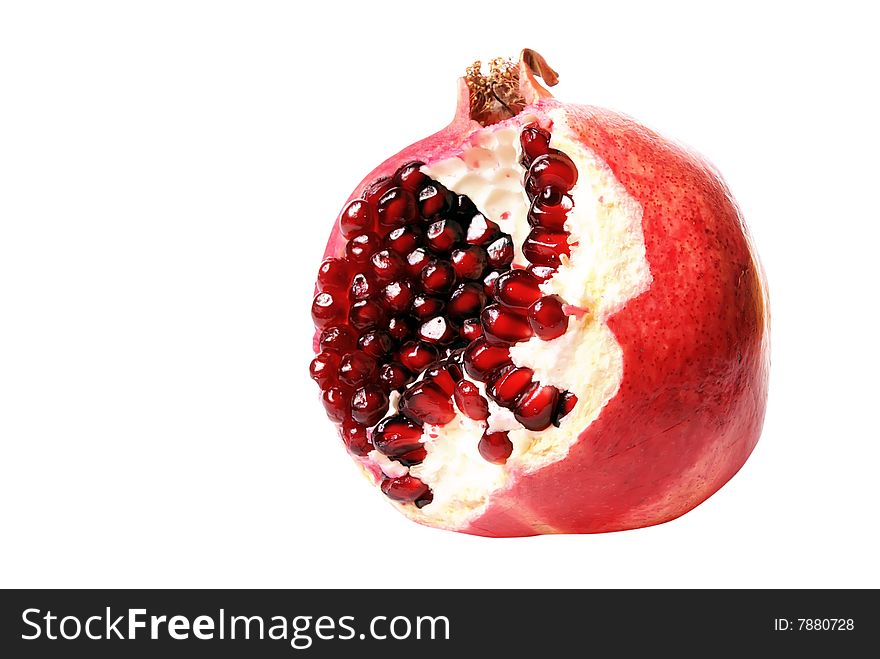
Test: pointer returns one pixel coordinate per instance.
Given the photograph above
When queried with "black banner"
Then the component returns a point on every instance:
(334, 623)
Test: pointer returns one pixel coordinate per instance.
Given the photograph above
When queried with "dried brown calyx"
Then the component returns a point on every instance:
(498, 95)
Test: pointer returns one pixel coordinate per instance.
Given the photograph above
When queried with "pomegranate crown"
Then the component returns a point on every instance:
(508, 86)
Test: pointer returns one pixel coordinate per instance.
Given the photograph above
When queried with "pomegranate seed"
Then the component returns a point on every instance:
(434, 199)
(375, 343)
(328, 309)
(413, 457)
(356, 368)
(544, 247)
(567, 401)
(424, 500)
(366, 314)
(504, 325)
(481, 230)
(456, 359)
(410, 177)
(535, 142)
(464, 209)
(550, 209)
(438, 277)
(376, 189)
(426, 402)
(500, 252)
(363, 286)
(509, 385)
(553, 170)
(338, 338)
(547, 318)
(470, 262)
(470, 402)
(471, 329)
(437, 330)
(369, 404)
(356, 218)
(535, 408)
(399, 328)
(541, 272)
(323, 368)
(517, 288)
(466, 300)
(489, 283)
(442, 235)
(333, 274)
(394, 376)
(495, 447)
(481, 359)
(355, 437)
(416, 261)
(336, 403)
(405, 489)
(454, 368)
(442, 377)
(425, 306)
(361, 247)
(403, 240)
(397, 207)
(386, 265)
(416, 356)
(396, 436)
(398, 296)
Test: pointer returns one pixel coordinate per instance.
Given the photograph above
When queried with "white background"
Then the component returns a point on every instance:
(168, 174)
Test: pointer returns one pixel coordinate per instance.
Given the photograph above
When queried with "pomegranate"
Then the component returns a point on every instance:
(545, 318)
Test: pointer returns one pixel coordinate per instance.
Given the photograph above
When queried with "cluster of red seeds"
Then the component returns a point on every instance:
(426, 286)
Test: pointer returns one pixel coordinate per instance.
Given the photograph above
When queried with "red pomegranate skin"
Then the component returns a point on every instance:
(695, 355)
(691, 402)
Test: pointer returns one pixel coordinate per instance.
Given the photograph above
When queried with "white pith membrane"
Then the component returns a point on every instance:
(607, 268)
